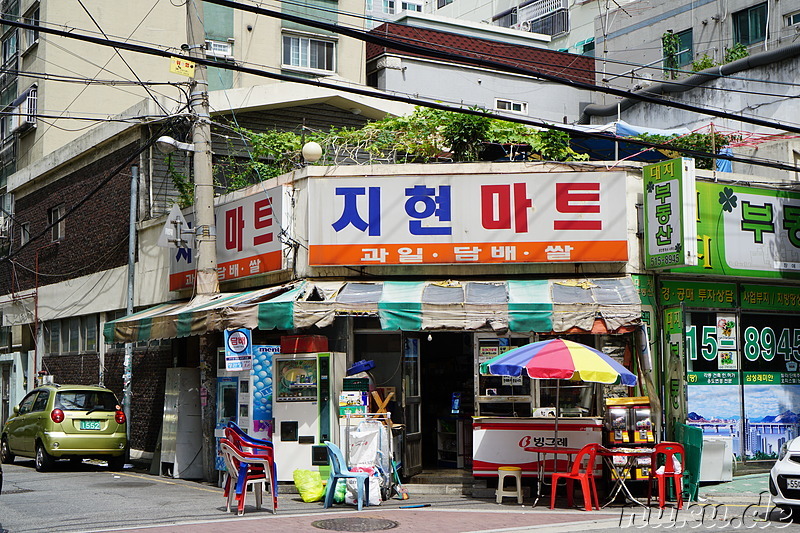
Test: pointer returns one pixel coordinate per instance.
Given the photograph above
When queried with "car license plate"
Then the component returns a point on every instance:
(793, 483)
(90, 424)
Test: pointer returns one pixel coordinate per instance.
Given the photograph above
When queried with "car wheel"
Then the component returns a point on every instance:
(5, 452)
(43, 459)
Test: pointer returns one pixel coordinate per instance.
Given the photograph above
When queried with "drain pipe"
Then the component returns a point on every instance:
(700, 78)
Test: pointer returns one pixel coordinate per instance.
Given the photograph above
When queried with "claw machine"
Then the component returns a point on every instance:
(305, 406)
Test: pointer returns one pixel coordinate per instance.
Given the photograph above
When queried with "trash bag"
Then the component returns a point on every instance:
(351, 496)
(341, 489)
(309, 485)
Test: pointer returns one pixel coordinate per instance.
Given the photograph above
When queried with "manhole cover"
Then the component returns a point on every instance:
(355, 524)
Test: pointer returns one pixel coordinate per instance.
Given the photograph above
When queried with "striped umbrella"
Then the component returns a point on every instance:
(559, 359)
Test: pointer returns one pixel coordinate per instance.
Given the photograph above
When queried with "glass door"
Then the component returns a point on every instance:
(412, 456)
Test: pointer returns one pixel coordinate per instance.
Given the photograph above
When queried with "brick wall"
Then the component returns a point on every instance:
(148, 377)
(95, 234)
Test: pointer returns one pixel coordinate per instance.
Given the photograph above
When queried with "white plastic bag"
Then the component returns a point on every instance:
(350, 497)
(676, 466)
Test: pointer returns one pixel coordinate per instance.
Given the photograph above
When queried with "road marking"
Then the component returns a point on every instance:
(152, 478)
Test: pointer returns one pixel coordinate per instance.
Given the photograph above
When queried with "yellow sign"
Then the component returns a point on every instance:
(181, 66)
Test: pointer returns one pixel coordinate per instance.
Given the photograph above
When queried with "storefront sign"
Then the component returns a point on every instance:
(770, 297)
(522, 218)
(670, 235)
(247, 240)
(698, 294)
(675, 402)
(747, 231)
(502, 441)
(742, 375)
(238, 350)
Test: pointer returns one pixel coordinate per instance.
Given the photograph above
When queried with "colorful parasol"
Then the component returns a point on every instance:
(559, 359)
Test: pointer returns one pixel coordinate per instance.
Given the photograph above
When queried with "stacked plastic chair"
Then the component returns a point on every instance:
(252, 456)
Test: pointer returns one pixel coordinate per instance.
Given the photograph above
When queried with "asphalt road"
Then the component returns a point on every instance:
(88, 498)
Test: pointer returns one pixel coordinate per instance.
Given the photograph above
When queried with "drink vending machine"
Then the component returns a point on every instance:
(244, 397)
(305, 406)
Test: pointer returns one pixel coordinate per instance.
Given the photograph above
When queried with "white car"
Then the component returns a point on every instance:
(784, 478)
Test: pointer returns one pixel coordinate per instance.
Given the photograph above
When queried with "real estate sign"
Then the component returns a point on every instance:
(670, 235)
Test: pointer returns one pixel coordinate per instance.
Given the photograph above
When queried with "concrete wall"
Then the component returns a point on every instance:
(466, 87)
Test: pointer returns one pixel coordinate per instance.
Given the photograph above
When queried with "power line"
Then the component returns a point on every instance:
(421, 102)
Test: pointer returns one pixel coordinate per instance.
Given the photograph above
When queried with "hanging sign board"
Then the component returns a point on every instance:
(238, 350)
(670, 211)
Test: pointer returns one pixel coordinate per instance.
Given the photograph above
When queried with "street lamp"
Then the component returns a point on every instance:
(312, 152)
(167, 145)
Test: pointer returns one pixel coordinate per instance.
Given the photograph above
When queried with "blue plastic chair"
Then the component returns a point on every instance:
(339, 471)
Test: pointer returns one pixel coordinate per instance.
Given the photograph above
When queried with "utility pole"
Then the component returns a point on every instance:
(127, 372)
(206, 281)
(206, 232)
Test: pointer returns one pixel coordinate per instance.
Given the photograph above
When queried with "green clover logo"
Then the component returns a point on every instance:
(727, 199)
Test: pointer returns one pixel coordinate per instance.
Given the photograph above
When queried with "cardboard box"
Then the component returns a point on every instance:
(304, 343)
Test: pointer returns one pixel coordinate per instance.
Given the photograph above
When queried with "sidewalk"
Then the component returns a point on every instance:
(455, 513)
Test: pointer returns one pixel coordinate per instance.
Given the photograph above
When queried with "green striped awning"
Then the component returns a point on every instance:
(545, 305)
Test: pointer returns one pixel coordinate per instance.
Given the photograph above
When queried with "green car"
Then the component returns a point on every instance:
(66, 422)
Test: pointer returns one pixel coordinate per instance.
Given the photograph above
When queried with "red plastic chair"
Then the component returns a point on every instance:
(667, 451)
(261, 448)
(245, 469)
(580, 473)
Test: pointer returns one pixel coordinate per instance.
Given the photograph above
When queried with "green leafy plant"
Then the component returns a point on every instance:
(703, 62)
(553, 145)
(670, 44)
(183, 185)
(465, 134)
(737, 51)
(702, 142)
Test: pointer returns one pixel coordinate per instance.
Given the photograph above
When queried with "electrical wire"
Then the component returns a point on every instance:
(434, 104)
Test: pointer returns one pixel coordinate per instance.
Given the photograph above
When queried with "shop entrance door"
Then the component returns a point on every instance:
(412, 456)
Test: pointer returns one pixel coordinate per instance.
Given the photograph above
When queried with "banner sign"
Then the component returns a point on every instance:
(238, 350)
(468, 219)
(247, 239)
(670, 235)
(747, 231)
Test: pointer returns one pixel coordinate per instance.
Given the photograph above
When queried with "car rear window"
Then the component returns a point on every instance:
(79, 400)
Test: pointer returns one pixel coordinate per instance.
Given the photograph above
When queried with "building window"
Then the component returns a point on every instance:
(520, 108)
(219, 49)
(684, 53)
(793, 19)
(54, 219)
(71, 335)
(750, 25)
(550, 17)
(24, 233)
(441, 3)
(409, 6)
(388, 7)
(31, 35)
(305, 52)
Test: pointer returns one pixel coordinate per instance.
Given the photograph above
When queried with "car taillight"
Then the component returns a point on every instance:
(119, 416)
(57, 415)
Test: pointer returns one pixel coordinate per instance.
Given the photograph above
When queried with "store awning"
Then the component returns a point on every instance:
(599, 304)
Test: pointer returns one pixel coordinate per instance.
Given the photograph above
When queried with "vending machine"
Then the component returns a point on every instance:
(244, 396)
(305, 406)
(629, 425)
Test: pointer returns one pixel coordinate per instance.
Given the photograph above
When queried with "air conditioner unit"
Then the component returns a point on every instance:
(23, 116)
